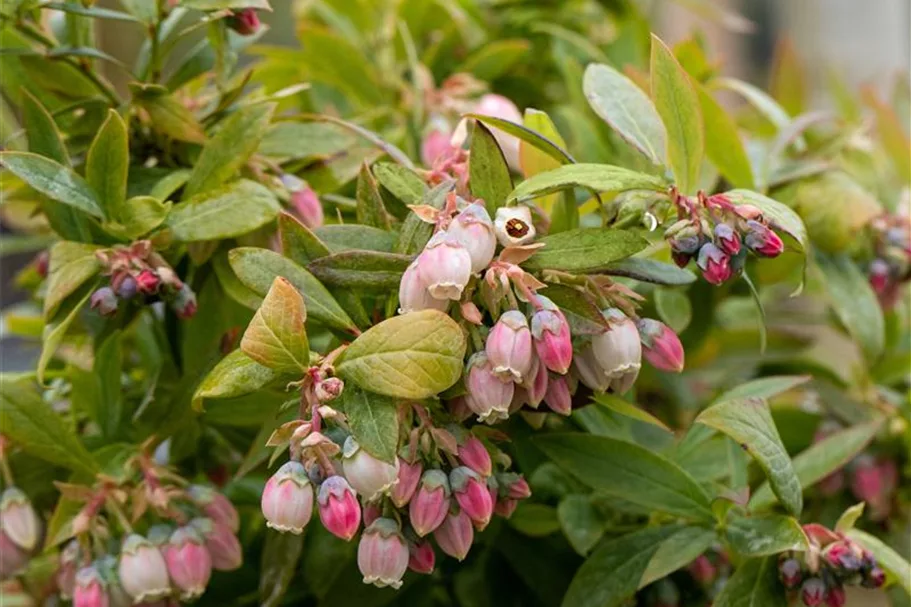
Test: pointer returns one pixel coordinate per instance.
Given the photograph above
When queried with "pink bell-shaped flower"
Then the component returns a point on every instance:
(473, 229)
(370, 477)
(18, 519)
(445, 267)
(421, 558)
(660, 345)
(339, 509)
(287, 500)
(553, 342)
(474, 454)
(618, 351)
(413, 293)
(382, 554)
(471, 493)
(223, 546)
(558, 397)
(142, 571)
(455, 535)
(215, 505)
(189, 563)
(488, 396)
(430, 503)
(89, 588)
(509, 347)
(409, 477)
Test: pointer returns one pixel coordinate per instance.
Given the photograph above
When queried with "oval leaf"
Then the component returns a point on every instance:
(649, 270)
(374, 421)
(754, 584)
(585, 249)
(235, 375)
(276, 337)
(226, 212)
(52, 179)
(489, 177)
(595, 177)
(367, 270)
(764, 535)
(107, 164)
(71, 264)
(854, 302)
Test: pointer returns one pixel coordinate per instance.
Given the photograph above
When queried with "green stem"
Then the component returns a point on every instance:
(6, 471)
(114, 508)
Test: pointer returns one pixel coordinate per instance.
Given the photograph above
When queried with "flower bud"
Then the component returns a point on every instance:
(12, 557)
(244, 21)
(841, 557)
(473, 229)
(880, 276)
(509, 347)
(727, 239)
(474, 454)
(215, 505)
(184, 303)
(661, 346)
(874, 482)
(328, 389)
(513, 226)
(748, 211)
(382, 555)
(90, 589)
(413, 294)
(67, 568)
(369, 476)
(455, 535)
(444, 267)
(684, 238)
(516, 486)
(499, 106)
(339, 509)
(763, 241)
(459, 409)
(714, 263)
(436, 141)
(558, 397)
(104, 301)
(790, 573)
(702, 570)
(42, 263)
(589, 371)
(147, 282)
(430, 503)
(535, 384)
(505, 507)
(421, 558)
(408, 479)
(371, 513)
(306, 205)
(835, 597)
(874, 578)
(18, 519)
(189, 563)
(223, 546)
(471, 493)
(143, 572)
(126, 287)
(618, 351)
(553, 342)
(287, 500)
(812, 592)
(488, 396)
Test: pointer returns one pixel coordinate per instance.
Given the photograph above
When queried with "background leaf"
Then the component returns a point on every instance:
(368, 270)
(676, 551)
(722, 142)
(70, 265)
(41, 131)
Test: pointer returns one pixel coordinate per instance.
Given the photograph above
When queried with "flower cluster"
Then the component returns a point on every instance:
(833, 562)
(138, 271)
(718, 235)
(891, 265)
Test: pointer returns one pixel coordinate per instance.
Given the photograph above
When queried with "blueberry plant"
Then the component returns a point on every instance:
(339, 324)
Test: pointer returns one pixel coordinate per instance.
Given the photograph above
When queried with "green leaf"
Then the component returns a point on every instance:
(752, 536)
(235, 375)
(167, 114)
(678, 105)
(308, 141)
(628, 409)
(628, 471)
(55, 329)
(581, 522)
(523, 133)
(367, 270)
(299, 243)
(627, 109)
(595, 177)
(226, 212)
(230, 148)
(756, 97)
(754, 584)
(374, 421)
(370, 209)
(581, 311)
(676, 551)
(779, 215)
(52, 179)
(33, 426)
(216, 5)
(107, 370)
(674, 308)
(649, 270)
(232, 285)
(489, 177)
(281, 554)
(70, 265)
(849, 518)
(897, 569)
(257, 269)
(854, 303)
(41, 131)
(276, 337)
(764, 387)
(723, 144)
(415, 233)
(495, 58)
(347, 237)
(403, 183)
(416, 355)
(139, 216)
(585, 249)
(612, 573)
(89, 11)
(533, 160)
(748, 421)
(535, 520)
(107, 165)
(822, 458)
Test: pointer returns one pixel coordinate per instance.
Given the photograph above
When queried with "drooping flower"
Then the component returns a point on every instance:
(339, 510)
(618, 351)
(660, 345)
(215, 505)
(223, 546)
(370, 477)
(430, 503)
(408, 479)
(18, 518)
(413, 293)
(287, 500)
(382, 554)
(474, 454)
(444, 267)
(421, 558)
(142, 571)
(513, 226)
(473, 229)
(188, 561)
(455, 535)
(553, 342)
(509, 347)
(714, 263)
(488, 396)
(471, 493)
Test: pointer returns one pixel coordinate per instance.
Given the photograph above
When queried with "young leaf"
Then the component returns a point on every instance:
(41, 131)
(897, 569)
(754, 584)
(415, 232)
(52, 179)
(649, 270)
(678, 105)
(416, 355)
(374, 421)
(489, 174)
(138, 216)
(368, 270)
(763, 535)
(276, 337)
(676, 551)
(585, 249)
(627, 109)
(849, 518)
(527, 135)
(299, 243)
(233, 144)
(854, 303)
(749, 422)
(107, 164)
(628, 471)
(70, 265)
(764, 387)
(235, 375)
(370, 209)
(226, 212)
(780, 216)
(723, 145)
(595, 177)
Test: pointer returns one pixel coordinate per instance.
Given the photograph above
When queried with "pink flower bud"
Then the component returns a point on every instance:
(421, 558)
(874, 483)
(90, 589)
(413, 293)
(558, 397)
(513, 226)
(473, 229)
(589, 371)
(618, 351)
(287, 500)
(430, 504)
(813, 592)
(455, 535)
(714, 263)
(382, 555)
(763, 241)
(553, 342)
(661, 346)
(409, 477)
(371, 513)
(880, 276)
(702, 570)
(18, 519)
(488, 396)
(535, 384)
(474, 454)
(842, 557)
(516, 486)
(505, 507)
(499, 106)
(124, 285)
(12, 557)
(104, 301)
(445, 267)
(328, 389)
(836, 597)
(339, 509)
(67, 568)
(874, 578)
(307, 206)
(184, 303)
(189, 563)
(143, 572)
(727, 239)
(790, 573)
(748, 211)
(223, 546)
(471, 493)
(436, 143)
(147, 282)
(369, 476)
(245, 22)
(215, 505)
(509, 347)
